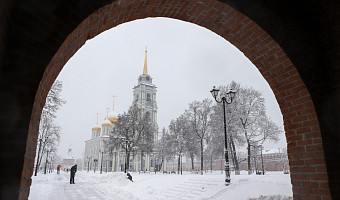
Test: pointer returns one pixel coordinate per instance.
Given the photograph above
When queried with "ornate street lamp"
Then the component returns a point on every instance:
(228, 99)
(150, 161)
(262, 159)
(109, 160)
(95, 162)
(101, 161)
(88, 163)
(126, 151)
(154, 162)
(126, 146)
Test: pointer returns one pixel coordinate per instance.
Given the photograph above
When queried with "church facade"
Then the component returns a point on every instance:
(98, 156)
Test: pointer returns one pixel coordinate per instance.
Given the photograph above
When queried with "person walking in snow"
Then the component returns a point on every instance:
(73, 173)
(58, 169)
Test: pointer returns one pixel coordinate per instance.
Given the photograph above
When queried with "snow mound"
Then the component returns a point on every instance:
(272, 197)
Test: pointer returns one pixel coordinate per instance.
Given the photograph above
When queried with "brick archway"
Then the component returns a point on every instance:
(307, 163)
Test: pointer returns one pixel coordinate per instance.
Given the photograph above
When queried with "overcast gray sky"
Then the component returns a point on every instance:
(185, 61)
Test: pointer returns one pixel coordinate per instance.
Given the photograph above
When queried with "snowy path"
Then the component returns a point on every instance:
(158, 186)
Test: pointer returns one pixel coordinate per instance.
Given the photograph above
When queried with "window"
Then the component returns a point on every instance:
(148, 97)
(147, 114)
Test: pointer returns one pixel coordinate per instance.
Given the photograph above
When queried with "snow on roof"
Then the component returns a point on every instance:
(106, 121)
(112, 114)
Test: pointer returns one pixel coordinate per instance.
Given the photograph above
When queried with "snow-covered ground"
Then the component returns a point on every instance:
(114, 185)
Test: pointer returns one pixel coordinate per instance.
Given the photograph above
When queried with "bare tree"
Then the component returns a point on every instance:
(177, 131)
(198, 116)
(250, 110)
(162, 147)
(53, 100)
(134, 130)
(190, 143)
(49, 131)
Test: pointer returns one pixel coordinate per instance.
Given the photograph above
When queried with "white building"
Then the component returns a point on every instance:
(97, 156)
(68, 162)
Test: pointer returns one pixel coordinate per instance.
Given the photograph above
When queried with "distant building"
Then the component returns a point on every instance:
(96, 155)
(273, 160)
(68, 162)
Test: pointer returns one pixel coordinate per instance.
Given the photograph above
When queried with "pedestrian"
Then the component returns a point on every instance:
(129, 176)
(73, 173)
(58, 169)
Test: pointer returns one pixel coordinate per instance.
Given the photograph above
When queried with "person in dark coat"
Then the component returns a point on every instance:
(129, 176)
(73, 173)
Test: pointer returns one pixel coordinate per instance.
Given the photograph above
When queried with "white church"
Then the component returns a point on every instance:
(97, 157)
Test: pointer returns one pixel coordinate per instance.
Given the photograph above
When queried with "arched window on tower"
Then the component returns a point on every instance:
(148, 97)
(147, 115)
(137, 96)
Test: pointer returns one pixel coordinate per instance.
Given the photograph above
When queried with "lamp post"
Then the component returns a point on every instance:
(101, 161)
(110, 158)
(262, 160)
(95, 164)
(181, 163)
(150, 162)
(225, 100)
(115, 162)
(126, 145)
(154, 163)
(88, 163)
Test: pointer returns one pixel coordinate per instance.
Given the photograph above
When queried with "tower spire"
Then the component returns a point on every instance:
(113, 106)
(97, 118)
(145, 70)
(107, 113)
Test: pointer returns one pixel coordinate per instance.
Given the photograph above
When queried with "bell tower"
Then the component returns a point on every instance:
(144, 95)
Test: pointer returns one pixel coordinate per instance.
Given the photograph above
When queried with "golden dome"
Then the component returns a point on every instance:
(106, 123)
(96, 128)
(113, 117)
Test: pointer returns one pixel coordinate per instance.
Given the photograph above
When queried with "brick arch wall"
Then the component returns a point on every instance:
(305, 148)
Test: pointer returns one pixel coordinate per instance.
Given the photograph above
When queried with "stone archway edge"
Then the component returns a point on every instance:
(305, 149)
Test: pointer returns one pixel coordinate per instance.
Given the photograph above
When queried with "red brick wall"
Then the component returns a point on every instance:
(308, 168)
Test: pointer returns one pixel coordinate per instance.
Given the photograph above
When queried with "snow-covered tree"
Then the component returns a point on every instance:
(162, 147)
(191, 145)
(249, 108)
(175, 139)
(134, 130)
(49, 131)
(198, 116)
